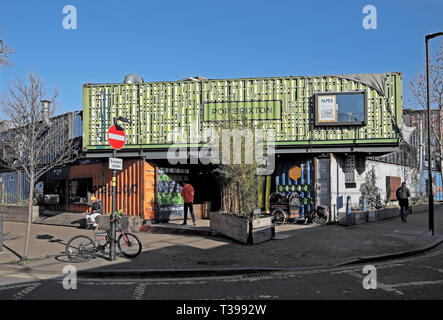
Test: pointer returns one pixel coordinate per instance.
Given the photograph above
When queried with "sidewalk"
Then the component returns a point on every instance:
(294, 247)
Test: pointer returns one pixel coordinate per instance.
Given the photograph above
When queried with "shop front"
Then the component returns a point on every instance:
(135, 189)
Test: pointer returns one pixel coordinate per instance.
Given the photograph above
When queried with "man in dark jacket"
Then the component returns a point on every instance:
(402, 197)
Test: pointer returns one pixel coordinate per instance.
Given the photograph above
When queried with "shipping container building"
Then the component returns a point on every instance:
(324, 125)
(303, 114)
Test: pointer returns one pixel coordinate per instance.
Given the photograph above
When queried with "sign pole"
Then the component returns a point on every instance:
(116, 138)
(113, 231)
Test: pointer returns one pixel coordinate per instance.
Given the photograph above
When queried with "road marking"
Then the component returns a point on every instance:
(139, 291)
(416, 283)
(25, 291)
(15, 286)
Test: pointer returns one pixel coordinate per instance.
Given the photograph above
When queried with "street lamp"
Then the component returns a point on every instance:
(431, 195)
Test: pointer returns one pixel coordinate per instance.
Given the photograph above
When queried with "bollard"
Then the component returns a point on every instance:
(348, 210)
(365, 204)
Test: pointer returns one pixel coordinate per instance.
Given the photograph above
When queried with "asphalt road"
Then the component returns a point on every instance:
(418, 277)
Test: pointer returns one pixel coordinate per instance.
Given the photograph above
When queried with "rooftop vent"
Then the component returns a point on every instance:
(133, 78)
(46, 110)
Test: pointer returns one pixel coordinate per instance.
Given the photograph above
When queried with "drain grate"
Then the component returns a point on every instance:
(259, 275)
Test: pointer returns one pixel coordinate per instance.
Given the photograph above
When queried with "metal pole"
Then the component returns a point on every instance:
(431, 193)
(113, 231)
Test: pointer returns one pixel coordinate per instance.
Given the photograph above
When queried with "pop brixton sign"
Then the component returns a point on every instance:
(239, 110)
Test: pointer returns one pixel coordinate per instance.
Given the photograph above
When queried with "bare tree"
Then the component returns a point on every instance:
(38, 141)
(5, 51)
(418, 90)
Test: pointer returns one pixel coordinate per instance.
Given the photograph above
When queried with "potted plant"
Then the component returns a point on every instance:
(239, 188)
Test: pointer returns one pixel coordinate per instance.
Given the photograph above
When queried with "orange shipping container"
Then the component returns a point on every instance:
(135, 189)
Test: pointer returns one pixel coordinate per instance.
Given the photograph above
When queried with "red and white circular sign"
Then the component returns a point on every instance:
(116, 137)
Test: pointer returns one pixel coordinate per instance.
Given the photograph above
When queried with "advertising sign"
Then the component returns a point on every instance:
(327, 109)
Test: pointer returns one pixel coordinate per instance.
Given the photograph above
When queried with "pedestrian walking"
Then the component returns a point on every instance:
(97, 210)
(403, 194)
(187, 193)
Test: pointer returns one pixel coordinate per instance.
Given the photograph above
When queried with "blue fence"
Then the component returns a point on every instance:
(303, 185)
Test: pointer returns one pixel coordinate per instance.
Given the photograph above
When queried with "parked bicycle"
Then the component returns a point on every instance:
(286, 208)
(82, 248)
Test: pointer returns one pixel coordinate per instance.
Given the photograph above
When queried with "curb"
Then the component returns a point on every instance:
(391, 256)
(174, 273)
(175, 230)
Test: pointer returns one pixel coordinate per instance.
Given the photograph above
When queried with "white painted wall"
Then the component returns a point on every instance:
(382, 170)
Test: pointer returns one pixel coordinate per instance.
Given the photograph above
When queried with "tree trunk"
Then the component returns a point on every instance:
(440, 135)
(28, 227)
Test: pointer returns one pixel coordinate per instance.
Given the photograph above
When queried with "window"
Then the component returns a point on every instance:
(340, 108)
(79, 190)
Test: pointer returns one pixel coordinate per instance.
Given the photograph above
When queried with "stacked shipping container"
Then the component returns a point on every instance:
(135, 189)
(165, 113)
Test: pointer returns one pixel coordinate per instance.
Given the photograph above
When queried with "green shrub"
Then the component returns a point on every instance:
(370, 190)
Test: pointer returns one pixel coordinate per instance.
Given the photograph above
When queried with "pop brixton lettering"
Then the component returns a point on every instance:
(127, 189)
(250, 110)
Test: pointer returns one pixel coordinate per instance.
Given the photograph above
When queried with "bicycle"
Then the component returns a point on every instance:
(82, 248)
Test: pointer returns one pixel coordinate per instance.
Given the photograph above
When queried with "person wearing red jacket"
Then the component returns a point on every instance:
(187, 193)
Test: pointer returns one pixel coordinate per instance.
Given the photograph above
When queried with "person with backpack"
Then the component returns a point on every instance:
(403, 194)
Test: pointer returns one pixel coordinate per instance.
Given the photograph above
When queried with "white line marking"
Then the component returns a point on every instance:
(25, 291)
(116, 137)
(139, 291)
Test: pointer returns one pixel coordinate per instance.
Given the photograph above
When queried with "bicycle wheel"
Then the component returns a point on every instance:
(80, 249)
(318, 219)
(278, 216)
(129, 244)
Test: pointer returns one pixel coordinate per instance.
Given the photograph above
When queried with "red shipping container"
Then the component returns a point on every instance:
(135, 189)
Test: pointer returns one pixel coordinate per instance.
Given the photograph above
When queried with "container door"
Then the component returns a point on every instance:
(323, 182)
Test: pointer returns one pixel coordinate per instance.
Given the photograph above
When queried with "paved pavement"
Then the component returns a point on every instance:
(295, 247)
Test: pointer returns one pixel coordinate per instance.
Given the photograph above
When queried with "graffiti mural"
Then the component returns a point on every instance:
(169, 186)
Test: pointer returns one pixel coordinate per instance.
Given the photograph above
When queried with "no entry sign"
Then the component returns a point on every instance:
(116, 137)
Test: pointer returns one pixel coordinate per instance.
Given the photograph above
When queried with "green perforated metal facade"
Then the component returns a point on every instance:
(166, 113)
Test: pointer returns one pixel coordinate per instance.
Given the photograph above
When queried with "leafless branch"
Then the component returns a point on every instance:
(38, 142)
(5, 51)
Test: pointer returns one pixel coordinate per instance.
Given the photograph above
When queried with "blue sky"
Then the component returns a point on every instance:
(170, 40)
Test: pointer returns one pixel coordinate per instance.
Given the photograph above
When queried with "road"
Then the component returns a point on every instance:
(417, 277)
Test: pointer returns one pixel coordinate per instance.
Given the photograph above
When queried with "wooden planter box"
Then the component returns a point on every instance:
(243, 230)
(18, 213)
